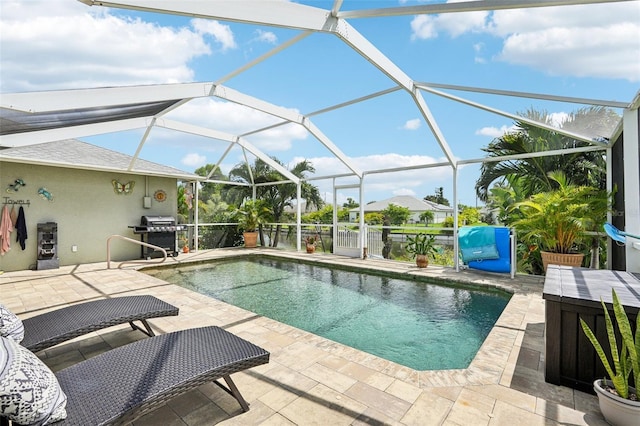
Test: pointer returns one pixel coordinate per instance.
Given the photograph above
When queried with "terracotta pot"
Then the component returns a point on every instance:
(422, 261)
(311, 248)
(616, 411)
(549, 258)
(250, 239)
(185, 249)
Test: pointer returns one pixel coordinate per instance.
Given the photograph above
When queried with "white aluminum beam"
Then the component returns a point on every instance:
(532, 155)
(93, 98)
(317, 133)
(367, 50)
(467, 6)
(631, 152)
(51, 135)
(214, 134)
(515, 117)
(546, 97)
(433, 125)
(267, 55)
(234, 96)
(195, 130)
(353, 101)
(273, 13)
(141, 144)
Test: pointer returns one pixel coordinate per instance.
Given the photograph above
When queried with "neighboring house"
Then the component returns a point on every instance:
(415, 205)
(293, 209)
(86, 205)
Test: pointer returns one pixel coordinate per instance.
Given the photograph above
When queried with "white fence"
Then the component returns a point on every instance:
(347, 242)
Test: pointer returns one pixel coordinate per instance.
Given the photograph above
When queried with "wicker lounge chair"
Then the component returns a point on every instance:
(49, 329)
(122, 384)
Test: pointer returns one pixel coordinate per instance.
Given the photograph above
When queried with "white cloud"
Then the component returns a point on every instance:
(66, 44)
(479, 48)
(404, 191)
(494, 132)
(266, 37)
(194, 160)
(597, 40)
(220, 32)
(235, 120)
(413, 124)
(455, 24)
(378, 186)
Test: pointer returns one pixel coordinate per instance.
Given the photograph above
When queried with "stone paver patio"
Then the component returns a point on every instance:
(311, 380)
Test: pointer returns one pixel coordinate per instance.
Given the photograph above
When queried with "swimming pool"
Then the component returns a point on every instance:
(424, 326)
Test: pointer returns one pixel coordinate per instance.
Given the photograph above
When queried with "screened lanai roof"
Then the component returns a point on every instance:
(35, 117)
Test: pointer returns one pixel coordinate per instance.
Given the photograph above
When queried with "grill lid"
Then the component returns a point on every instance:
(157, 221)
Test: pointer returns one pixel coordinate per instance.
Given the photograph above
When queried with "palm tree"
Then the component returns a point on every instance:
(585, 168)
(277, 196)
(208, 190)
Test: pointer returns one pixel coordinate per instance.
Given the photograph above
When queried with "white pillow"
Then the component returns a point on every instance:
(29, 391)
(10, 325)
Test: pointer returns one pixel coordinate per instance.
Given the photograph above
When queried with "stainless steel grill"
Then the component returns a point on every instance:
(159, 231)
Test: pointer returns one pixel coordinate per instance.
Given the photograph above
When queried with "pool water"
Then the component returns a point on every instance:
(416, 324)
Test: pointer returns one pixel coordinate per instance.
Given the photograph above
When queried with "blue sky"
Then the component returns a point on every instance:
(587, 51)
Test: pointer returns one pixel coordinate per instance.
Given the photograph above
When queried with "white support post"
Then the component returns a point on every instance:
(456, 258)
(609, 188)
(363, 231)
(632, 187)
(298, 218)
(196, 233)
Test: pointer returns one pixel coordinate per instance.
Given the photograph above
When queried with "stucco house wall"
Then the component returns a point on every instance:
(86, 209)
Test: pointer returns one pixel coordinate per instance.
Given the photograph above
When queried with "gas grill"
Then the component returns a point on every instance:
(159, 231)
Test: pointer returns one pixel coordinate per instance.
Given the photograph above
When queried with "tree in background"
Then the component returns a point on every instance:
(504, 183)
(426, 216)
(467, 217)
(278, 196)
(438, 198)
(350, 204)
(207, 190)
(397, 214)
(585, 168)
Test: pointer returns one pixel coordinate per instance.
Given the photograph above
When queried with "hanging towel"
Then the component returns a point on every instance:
(6, 227)
(478, 243)
(14, 215)
(21, 227)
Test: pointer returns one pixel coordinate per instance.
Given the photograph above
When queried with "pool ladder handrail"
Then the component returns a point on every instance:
(141, 243)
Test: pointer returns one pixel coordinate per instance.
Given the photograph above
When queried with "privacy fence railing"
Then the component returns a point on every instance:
(380, 242)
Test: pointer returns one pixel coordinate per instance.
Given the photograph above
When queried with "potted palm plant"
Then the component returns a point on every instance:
(619, 401)
(250, 216)
(421, 246)
(555, 221)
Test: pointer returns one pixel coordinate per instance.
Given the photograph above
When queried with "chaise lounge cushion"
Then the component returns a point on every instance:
(29, 391)
(10, 325)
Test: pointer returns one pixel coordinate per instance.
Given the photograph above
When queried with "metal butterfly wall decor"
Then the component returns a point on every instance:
(123, 188)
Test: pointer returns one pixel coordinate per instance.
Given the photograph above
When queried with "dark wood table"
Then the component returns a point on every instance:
(571, 294)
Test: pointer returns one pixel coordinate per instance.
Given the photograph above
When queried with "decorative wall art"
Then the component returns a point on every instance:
(160, 195)
(123, 188)
(15, 186)
(45, 194)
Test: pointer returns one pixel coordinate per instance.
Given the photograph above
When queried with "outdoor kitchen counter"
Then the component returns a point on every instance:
(571, 294)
